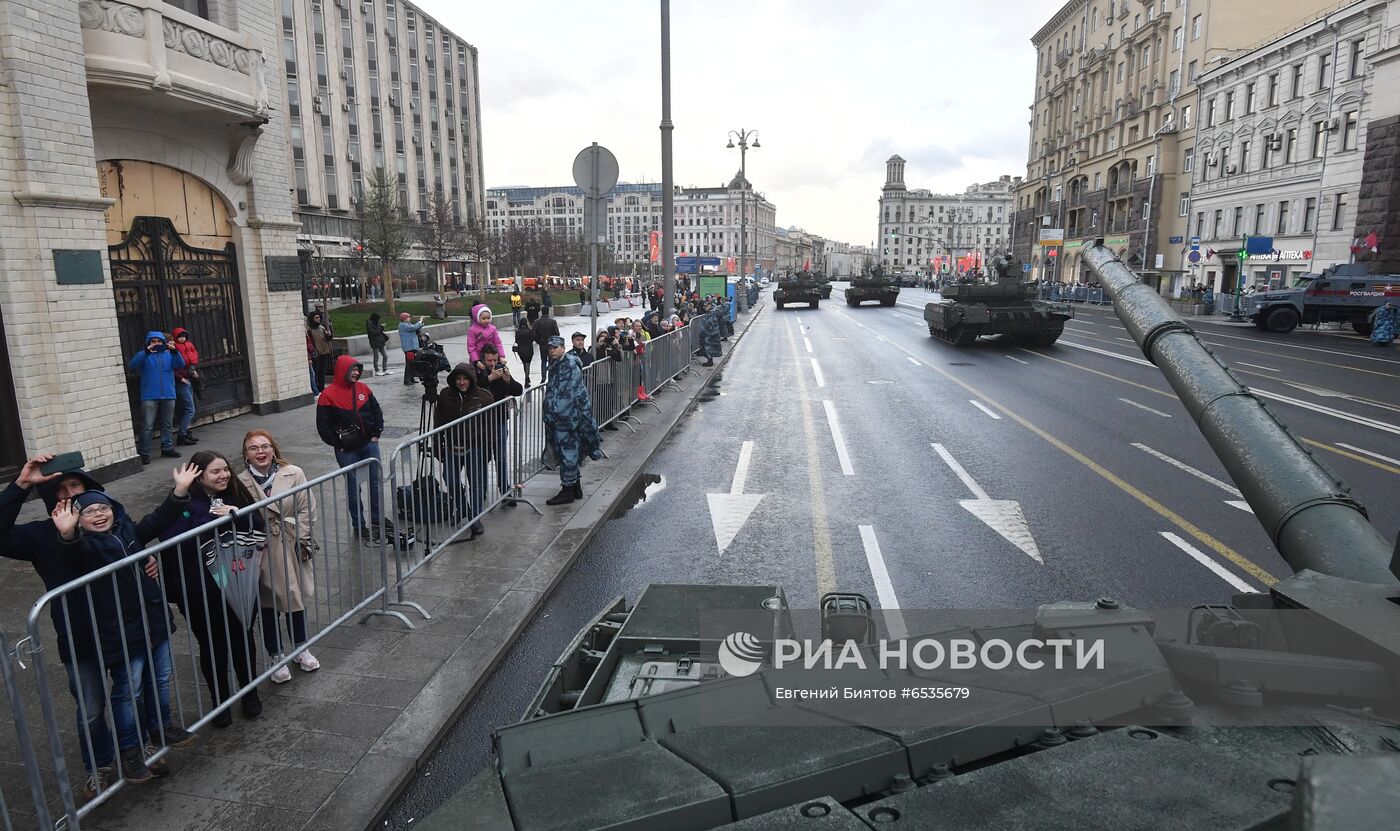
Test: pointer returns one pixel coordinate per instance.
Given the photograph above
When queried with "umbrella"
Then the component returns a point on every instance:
(234, 560)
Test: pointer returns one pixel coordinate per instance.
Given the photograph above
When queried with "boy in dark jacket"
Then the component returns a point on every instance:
(97, 632)
(348, 418)
(155, 365)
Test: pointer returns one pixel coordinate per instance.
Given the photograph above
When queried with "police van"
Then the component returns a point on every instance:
(1341, 294)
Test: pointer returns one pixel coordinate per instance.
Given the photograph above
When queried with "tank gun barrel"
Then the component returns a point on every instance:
(1307, 511)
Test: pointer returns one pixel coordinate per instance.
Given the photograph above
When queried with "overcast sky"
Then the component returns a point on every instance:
(834, 87)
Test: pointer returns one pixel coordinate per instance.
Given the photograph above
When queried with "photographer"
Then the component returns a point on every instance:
(494, 376)
(606, 353)
(155, 366)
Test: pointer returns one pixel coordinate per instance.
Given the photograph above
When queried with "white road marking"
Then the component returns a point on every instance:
(1257, 366)
(729, 511)
(1295, 346)
(983, 407)
(1127, 340)
(1009, 357)
(1262, 393)
(856, 322)
(912, 361)
(841, 455)
(1208, 563)
(1085, 322)
(881, 338)
(817, 371)
(1370, 453)
(1133, 403)
(960, 472)
(884, 589)
(807, 343)
(1199, 474)
(1241, 504)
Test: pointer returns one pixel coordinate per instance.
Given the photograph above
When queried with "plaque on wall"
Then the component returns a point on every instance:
(75, 267)
(283, 273)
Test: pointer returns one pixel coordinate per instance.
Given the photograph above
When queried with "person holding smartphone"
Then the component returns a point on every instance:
(494, 375)
(155, 365)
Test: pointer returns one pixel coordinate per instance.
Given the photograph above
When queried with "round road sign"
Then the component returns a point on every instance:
(595, 171)
(1194, 257)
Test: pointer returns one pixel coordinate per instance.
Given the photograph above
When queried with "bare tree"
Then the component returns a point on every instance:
(443, 235)
(386, 228)
(359, 251)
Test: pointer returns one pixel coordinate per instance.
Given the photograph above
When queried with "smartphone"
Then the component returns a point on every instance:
(62, 463)
(216, 503)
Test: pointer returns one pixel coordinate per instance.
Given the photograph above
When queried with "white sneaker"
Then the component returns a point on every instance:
(307, 661)
(282, 675)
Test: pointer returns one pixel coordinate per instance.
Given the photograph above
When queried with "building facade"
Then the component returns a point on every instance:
(376, 84)
(919, 229)
(1112, 138)
(145, 157)
(1280, 146)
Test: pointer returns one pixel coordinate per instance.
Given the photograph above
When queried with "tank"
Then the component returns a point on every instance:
(823, 284)
(873, 285)
(1006, 306)
(801, 287)
(1279, 710)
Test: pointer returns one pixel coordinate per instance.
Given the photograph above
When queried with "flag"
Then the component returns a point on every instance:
(807, 265)
(655, 247)
(1373, 242)
(1356, 245)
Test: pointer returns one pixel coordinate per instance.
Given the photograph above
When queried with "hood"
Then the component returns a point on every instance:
(48, 490)
(374, 316)
(343, 365)
(476, 313)
(178, 331)
(460, 370)
(155, 334)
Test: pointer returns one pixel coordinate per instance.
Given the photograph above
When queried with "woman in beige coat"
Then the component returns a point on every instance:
(288, 578)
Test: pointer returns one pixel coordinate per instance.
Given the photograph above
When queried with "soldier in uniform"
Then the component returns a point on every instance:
(568, 420)
(709, 333)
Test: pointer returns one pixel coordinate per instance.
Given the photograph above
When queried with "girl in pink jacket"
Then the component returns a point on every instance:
(481, 333)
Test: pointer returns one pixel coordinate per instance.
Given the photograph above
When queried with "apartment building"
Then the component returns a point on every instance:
(919, 228)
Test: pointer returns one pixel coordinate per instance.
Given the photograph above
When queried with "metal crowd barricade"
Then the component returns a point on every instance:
(612, 401)
(234, 585)
(12, 810)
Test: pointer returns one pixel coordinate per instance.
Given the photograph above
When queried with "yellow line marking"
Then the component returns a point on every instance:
(1353, 456)
(821, 532)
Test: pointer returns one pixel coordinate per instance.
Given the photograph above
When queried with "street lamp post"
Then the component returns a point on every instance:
(743, 136)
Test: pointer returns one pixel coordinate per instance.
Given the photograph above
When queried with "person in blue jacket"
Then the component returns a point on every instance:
(155, 365)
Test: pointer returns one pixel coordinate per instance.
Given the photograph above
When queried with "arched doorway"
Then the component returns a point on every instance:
(174, 264)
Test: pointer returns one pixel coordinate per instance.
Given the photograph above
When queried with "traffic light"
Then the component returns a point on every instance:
(1244, 246)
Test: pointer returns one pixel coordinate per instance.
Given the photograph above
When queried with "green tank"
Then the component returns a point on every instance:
(801, 287)
(1278, 710)
(1006, 306)
(873, 285)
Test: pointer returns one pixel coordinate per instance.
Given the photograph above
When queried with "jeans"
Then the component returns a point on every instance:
(311, 368)
(344, 458)
(132, 686)
(89, 688)
(515, 317)
(164, 409)
(381, 358)
(473, 464)
(408, 357)
(502, 458)
(184, 394)
(272, 635)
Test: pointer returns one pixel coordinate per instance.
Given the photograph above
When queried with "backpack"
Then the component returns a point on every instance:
(423, 501)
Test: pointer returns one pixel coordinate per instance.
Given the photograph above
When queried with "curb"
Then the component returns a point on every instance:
(543, 577)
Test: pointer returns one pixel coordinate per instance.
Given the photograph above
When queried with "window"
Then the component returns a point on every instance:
(1282, 227)
(1339, 210)
(1184, 204)
(1200, 222)
(1215, 224)
(1273, 90)
(1188, 159)
(1309, 214)
(1120, 72)
(1146, 56)
(1237, 226)
(1259, 218)
(1191, 72)
(1290, 143)
(1244, 157)
(1210, 113)
(1196, 27)
(1248, 98)
(1358, 47)
(1186, 117)
(1173, 83)
(1324, 70)
(1296, 82)
(1177, 39)
(1319, 147)
(1349, 130)
(1224, 158)
(1229, 106)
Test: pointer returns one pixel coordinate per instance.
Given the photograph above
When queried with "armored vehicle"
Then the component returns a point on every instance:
(872, 286)
(1341, 294)
(1277, 711)
(823, 284)
(799, 288)
(1004, 307)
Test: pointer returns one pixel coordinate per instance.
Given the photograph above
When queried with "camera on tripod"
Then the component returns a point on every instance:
(429, 362)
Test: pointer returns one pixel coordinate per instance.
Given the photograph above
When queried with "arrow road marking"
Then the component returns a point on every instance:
(839, 440)
(1201, 558)
(1237, 502)
(729, 511)
(884, 589)
(817, 372)
(1001, 515)
(1132, 403)
(983, 407)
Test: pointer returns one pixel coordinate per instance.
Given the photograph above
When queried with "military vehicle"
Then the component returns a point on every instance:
(1278, 711)
(801, 287)
(1342, 294)
(873, 285)
(823, 284)
(1004, 307)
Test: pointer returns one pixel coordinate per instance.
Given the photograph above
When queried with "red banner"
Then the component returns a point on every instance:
(806, 265)
(732, 265)
(655, 247)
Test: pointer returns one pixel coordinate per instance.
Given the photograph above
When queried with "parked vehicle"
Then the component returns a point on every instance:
(1341, 294)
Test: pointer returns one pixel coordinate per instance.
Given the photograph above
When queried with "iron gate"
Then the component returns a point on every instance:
(161, 283)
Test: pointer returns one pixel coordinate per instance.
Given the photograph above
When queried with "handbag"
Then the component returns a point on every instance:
(351, 437)
(307, 548)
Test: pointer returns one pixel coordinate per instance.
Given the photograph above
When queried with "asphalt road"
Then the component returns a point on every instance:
(930, 477)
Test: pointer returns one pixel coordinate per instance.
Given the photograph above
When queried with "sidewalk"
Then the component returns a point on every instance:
(333, 748)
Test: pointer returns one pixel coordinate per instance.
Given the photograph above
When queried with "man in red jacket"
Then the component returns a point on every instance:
(185, 380)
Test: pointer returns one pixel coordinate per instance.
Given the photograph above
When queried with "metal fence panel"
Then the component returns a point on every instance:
(31, 809)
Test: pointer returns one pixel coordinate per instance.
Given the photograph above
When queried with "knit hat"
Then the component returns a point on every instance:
(87, 498)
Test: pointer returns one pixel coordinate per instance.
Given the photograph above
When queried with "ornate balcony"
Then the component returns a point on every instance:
(193, 65)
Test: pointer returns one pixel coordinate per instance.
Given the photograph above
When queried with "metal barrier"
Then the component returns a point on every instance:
(134, 667)
(37, 807)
